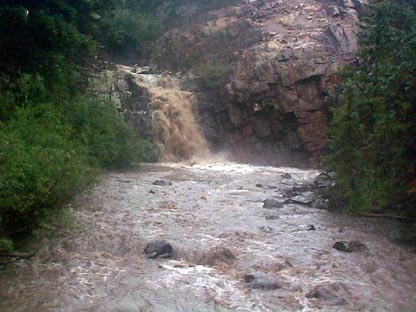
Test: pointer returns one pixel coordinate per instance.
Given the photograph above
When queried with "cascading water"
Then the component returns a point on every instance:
(174, 126)
(174, 122)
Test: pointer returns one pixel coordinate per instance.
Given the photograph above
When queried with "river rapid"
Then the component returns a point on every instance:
(230, 253)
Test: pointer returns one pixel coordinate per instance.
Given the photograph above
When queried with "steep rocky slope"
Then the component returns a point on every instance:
(282, 56)
(266, 71)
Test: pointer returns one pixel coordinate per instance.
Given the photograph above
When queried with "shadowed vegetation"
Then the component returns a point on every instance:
(373, 132)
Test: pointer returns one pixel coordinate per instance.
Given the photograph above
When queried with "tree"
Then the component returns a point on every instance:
(372, 133)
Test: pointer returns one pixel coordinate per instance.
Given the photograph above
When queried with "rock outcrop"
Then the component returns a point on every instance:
(283, 56)
(281, 59)
(158, 107)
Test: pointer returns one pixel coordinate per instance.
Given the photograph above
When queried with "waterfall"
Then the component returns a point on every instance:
(174, 125)
(172, 111)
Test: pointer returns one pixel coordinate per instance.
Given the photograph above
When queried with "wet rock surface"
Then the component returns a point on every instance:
(162, 182)
(158, 249)
(311, 227)
(262, 281)
(306, 198)
(227, 256)
(351, 246)
(283, 57)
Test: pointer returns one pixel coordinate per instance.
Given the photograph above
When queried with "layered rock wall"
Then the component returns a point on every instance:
(283, 56)
(131, 99)
(159, 108)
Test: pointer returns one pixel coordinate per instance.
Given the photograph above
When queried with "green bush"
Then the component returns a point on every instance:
(129, 31)
(53, 141)
(50, 152)
(372, 133)
(40, 166)
(101, 129)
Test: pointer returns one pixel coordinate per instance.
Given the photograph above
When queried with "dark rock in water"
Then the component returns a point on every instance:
(351, 246)
(333, 294)
(271, 203)
(158, 249)
(306, 198)
(311, 228)
(286, 176)
(259, 185)
(341, 246)
(260, 280)
(162, 182)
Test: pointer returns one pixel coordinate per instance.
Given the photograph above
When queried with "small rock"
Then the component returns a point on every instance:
(271, 203)
(306, 198)
(158, 249)
(260, 280)
(311, 228)
(286, 176)
(341, 246)
(352, 246)
(259, 185)
(162, 182)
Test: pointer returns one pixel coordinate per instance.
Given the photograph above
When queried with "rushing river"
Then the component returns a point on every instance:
(230, 253)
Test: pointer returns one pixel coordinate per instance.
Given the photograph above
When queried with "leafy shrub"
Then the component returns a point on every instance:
(102, 131)
(129, 30)
(40, 166)
(372, 133)
(53, 142)
(49, 152)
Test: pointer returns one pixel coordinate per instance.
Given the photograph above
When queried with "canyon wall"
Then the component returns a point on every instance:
(282, 58)
(254, 77)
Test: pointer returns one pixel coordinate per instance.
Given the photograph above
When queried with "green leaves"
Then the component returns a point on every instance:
(54, 141)
(129, 30)
(372, 134)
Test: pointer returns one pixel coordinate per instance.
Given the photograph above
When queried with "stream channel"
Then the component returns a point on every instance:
(229, 252)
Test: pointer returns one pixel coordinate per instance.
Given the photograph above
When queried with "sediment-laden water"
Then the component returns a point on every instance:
(230, 253)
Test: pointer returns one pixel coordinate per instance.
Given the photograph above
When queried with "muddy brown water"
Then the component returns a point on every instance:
(213, 216)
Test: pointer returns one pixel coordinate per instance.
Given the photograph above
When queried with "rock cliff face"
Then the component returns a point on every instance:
(160, 109)
(278, 60)
(283, 56)
(130, 98)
